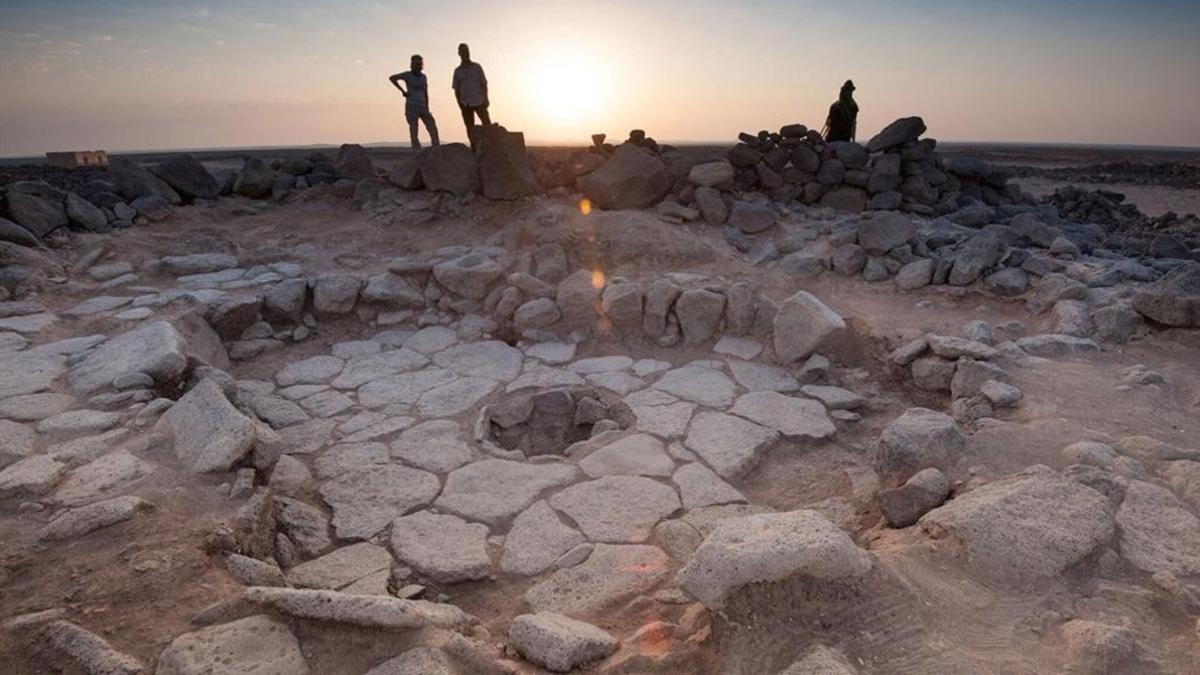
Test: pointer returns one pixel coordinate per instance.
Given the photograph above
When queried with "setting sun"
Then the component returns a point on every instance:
(568, 86)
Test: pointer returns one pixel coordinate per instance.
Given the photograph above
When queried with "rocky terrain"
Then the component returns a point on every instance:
(786, 407)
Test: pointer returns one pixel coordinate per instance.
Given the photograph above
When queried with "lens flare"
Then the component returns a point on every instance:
(585, 206)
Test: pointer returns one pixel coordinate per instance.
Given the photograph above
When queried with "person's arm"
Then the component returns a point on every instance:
(395, 80)
(483, 83)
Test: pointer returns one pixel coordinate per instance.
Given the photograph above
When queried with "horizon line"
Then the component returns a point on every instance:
(549, 144)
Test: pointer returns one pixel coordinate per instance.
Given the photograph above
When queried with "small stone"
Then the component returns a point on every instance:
(557, 642)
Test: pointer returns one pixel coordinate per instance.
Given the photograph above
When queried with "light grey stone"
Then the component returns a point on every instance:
(788, 415)
(208, 432)
(256, 644)
(611, 576)
(557, 642)
(341, 567)
(762, 377)
(633, 455)
(705, 386)
(730, 445)
(537, 539)
(156, 349)
(918, 439)
(803, 325)
(30, 476)
(436, 446)
(1157, 532)
(493, 490)
(366, 500)
(102, 478)
(442, 547)
(700, 487)
(770, 547)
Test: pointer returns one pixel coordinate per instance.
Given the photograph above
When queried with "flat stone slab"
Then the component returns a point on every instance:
(635, 455)
(79, 422)
(327, 403)
(431, 340)
(617, 509)
(539, 376)
(612, 575)
(770, 547)
(834, 398)
(365, 611)
(70, 346)
(405, 388)
(559, 643)
(102, 478)
(366, 368)
(442, 547)
(788, 415)
(30, 323)
(156, 349)
(29, 372)
(436, 446)
(732, 446)
(74, 523)
(493, 490)
(342, 567)
(30, 476)
(417, 661)
(345, 457)
(313, 370)
(364, 501)
(384, 427)
(669, 420)
(698, 384)
(257, 644)
(620, 383)
(100, 303)
(491, 359)
(741, 347)
(537, 539)
(455, 398)
(601, 364)
(32, 407)
(700, 487)
(553, 353)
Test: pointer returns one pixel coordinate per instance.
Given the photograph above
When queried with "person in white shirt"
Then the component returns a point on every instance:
(471, 91)
(416, 105)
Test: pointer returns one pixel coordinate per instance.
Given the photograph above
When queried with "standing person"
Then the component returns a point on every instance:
(471, 91)
(843, 116)
(416, 104)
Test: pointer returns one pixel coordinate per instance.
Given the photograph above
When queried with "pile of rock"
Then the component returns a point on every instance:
(499, 167)
(896, 169)
(961, 367)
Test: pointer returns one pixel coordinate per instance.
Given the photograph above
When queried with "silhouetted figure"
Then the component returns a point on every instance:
(843, 116)
(471, 91)
(416, 104)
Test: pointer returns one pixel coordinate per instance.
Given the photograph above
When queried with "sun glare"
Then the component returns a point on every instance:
(568, 86)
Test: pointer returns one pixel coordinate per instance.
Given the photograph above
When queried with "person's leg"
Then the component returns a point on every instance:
(468, 115)
(411, 117)
(430, 126)
(484, 118)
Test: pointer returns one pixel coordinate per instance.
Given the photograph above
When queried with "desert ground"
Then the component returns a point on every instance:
(645, 410)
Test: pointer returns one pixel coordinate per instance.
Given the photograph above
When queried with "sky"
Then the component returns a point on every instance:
(164, 74)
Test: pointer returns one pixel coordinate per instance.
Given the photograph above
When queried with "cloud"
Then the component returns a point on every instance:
(102, 38)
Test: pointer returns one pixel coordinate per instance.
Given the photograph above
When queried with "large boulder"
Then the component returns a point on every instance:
(255, 180)
(918, 439)
(752, 218)
(37, 207)
(353, 162)
(802, 325)
(156, 349)
(210, 434)
(884, 231)
(1173, 300)
(187, 176)
(632, 178)
(1158, 533)
(1025, 528)
(450, 168)
(711, 174)
(769, 547)
(979, 254)
(133, 181)
(85, 214)
(17, 234)
(504, 168)
(845, 198)
(903, 130)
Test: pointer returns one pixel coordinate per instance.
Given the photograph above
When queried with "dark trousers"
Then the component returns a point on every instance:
(414, 114)
(469, 113)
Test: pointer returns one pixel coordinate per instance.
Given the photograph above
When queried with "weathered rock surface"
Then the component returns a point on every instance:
(209, 433)
(257, 644)
(730, 445)
(612, 574)
(445, 548)
(557, 642)
(537, 539)
(492, 490)
(631, 179)
(156, 349)
(788, 415)
(366, 500)
(918, 439)
(1028, 527)
(617, 509)
(802, 325)
(770, 547)
(1157, 532)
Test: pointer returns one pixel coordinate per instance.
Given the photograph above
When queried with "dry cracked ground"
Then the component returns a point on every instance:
(436, 436)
